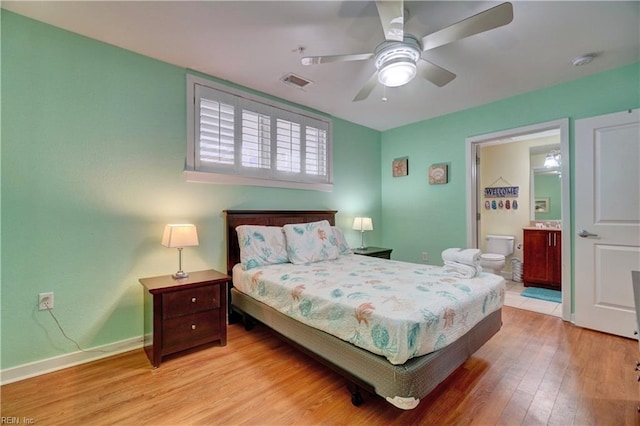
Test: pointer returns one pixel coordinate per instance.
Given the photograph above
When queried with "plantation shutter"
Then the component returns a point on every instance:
(288, 149)
(236, 137)
(316, 151)
(256, 140)
(216, 131)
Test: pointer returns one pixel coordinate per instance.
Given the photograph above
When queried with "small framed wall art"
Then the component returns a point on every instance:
(438, 174)
(541, 205)
(400, 167)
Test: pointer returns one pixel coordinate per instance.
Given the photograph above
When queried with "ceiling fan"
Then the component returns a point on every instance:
(398, 58)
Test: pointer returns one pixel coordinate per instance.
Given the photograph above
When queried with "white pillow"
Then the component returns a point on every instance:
(310, 242)
(343, 247)
(261, 245)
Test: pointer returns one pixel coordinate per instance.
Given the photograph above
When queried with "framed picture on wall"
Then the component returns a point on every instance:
(541, 205)
(400, 167)
(438, 174)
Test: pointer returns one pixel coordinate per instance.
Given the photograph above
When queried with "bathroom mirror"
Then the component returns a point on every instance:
(546, 195)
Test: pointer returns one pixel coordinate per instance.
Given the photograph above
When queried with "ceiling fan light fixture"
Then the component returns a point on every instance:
(397, 73)
(396, 61)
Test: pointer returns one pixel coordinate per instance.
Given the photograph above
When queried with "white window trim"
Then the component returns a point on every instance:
(193, 175)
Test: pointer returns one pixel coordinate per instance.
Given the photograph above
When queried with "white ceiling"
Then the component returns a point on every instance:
(256, 43)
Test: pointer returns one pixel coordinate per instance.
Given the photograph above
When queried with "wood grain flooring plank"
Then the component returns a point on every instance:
(536, 370)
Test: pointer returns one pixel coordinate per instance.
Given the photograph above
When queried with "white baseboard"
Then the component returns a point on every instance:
(49, 365)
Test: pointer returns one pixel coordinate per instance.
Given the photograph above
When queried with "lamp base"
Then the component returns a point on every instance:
(180, 274)
(362, 245)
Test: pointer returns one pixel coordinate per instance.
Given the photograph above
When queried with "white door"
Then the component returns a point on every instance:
(607, 221)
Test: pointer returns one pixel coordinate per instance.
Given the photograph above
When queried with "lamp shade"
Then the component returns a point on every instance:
(363, 224)
(180, 235)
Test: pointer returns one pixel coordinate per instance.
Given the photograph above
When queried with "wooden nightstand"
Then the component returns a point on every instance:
(184, 313)
(384, 253)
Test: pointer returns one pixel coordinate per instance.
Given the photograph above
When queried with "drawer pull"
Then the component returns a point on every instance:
(193, 326)
(193, 300)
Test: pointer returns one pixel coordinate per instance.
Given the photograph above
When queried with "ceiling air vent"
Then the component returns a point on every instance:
(296, 81)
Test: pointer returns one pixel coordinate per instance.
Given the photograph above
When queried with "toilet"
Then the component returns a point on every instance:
(498, 248)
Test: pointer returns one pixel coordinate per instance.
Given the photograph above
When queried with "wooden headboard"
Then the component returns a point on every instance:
(267, 218)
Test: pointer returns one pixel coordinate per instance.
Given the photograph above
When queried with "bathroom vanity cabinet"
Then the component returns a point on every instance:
(543, 258)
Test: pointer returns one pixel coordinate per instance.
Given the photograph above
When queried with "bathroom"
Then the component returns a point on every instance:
(519, 162)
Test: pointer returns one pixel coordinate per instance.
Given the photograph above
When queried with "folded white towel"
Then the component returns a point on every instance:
(465, 256)
(469, 257)
(450, 254)
(461, 270)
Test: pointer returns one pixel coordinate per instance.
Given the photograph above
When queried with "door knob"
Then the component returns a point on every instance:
(584, 234)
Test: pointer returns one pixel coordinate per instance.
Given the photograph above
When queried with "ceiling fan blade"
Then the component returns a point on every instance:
(312, 60)
(367, 88)
(435, 74)
(392, 19)
(483, 21)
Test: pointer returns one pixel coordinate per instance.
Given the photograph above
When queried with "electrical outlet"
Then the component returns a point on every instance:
(45, 301)
(425, 256)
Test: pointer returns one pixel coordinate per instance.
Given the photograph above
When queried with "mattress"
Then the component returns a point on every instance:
(395, 309)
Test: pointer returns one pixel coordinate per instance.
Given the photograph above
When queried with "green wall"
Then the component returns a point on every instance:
(420, 217)
(93, 148)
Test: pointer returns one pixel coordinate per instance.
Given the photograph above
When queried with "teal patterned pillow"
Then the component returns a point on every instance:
(261, 245)
(310, 242)
(343, 247)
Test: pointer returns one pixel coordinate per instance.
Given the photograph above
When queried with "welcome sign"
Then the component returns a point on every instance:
(501, 191)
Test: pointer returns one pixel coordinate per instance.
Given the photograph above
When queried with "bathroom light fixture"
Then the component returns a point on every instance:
(552, 159)
(362, 224)
(583, 59)
(180, 236)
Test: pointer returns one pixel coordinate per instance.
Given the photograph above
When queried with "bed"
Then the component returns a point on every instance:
(402, 376)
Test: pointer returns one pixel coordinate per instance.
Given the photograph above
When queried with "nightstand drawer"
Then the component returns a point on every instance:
(190, 330)
(189, 301)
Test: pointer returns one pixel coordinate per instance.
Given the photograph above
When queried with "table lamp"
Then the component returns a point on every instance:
(180, 236)
(362, 224)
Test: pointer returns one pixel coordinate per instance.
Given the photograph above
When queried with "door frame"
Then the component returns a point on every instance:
(475, 142)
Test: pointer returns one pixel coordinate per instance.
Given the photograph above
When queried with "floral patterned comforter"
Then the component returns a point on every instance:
(396, 309)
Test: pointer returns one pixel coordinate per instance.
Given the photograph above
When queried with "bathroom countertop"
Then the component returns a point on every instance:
(546, 228)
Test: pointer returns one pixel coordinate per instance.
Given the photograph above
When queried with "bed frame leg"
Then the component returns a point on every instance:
(356, 396)
(248, 322)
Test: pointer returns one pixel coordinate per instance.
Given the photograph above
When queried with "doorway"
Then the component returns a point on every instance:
(474, 192)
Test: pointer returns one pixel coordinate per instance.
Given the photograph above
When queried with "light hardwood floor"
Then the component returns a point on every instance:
(536, 370)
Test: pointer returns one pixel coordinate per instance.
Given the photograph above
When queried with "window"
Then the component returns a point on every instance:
(238, 138)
